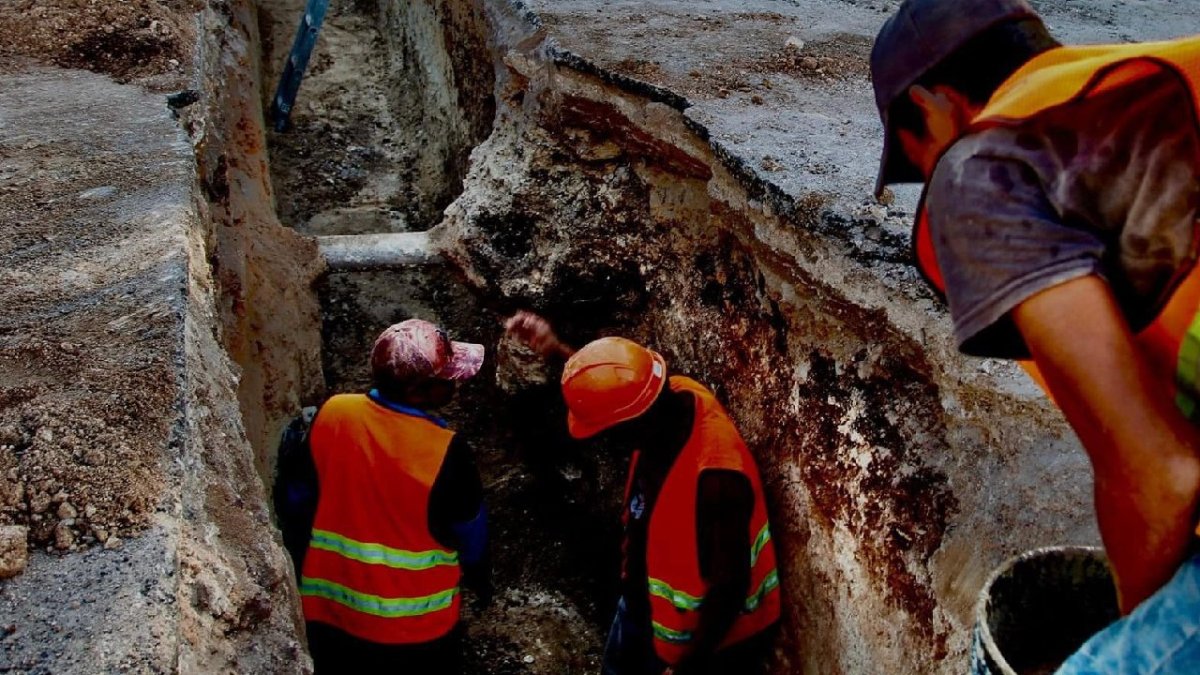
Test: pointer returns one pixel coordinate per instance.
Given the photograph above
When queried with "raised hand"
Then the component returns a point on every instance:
(536, 333)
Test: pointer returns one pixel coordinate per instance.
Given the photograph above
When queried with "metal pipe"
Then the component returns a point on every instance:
(377, 251)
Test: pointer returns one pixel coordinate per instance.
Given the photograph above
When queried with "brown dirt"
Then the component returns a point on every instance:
(87, 381)
(78, 465)
(845, 57)
(129, 39)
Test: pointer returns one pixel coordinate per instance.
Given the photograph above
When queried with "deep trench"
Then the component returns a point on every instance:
(604, 210)
(387, 152)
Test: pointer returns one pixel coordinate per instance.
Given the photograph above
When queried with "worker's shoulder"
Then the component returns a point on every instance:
(1084, 136)
(985, 169)
(341, 404)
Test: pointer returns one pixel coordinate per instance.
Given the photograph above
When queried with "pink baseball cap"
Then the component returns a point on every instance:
(417, 349)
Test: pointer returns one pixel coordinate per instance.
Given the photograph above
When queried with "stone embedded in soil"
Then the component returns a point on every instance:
(14, 550)
(64, 538)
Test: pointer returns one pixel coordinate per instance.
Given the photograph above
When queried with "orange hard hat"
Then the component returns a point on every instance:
(608, 382)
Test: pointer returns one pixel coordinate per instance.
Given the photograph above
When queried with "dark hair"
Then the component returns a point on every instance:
(391, 388)
(979, 67)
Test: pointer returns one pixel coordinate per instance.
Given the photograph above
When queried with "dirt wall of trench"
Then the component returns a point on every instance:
(396, 97)
(255, 359)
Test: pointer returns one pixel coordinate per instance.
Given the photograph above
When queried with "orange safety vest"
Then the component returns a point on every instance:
(1067, 75)
(373, 568)
(677, 590)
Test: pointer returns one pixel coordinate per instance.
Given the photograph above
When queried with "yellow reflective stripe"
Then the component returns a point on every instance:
(665, 634)
(685, 602)
(1187, 370)
(378, 554)
(760, 542)
(388, 608)
(770, 583)
(682, 601)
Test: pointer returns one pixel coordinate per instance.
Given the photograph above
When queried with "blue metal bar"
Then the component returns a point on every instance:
(293, 70)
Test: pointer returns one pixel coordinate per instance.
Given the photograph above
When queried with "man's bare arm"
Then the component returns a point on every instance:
(1144, 453)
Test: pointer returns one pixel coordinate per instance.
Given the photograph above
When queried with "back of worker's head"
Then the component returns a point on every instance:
(968, 46)
(610, 381)
(415, 362)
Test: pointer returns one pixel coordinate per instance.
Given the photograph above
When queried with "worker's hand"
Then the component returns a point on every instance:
(535, 332)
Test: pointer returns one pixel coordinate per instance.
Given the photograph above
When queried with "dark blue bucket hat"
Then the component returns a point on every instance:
(918, 37)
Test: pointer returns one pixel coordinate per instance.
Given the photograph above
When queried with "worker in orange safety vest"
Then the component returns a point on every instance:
(399, 515)
(700, 589)
(1059, 218)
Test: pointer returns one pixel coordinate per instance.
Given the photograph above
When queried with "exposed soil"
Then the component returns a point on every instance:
(386, 116)
(884, 455)
(86, 368)
(351, 163)
(128, 40)
(342, 133)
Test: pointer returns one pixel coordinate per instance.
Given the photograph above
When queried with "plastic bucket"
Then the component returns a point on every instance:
(1039, 608)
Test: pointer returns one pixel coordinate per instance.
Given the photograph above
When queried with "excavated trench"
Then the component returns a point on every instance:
(398, 97)
(599, 207)
(543, 182)
(517, 174)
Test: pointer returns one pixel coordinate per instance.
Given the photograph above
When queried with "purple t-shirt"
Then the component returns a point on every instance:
(1107, 186)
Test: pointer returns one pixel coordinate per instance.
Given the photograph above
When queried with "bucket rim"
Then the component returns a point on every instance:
(984, 631)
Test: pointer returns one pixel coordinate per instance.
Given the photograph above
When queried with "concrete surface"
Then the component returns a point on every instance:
(97, 211)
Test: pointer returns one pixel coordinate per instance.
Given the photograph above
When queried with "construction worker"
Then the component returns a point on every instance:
(699, 590)
(399, 514)
(1060, 220)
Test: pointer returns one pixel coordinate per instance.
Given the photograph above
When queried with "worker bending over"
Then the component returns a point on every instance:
(699, 585)
(399, 514)
(1060, 220)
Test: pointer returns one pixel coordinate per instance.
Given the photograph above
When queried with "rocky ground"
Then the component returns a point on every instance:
(120, 437)
(149, 41)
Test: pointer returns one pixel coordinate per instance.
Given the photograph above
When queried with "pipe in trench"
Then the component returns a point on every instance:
(391, 250)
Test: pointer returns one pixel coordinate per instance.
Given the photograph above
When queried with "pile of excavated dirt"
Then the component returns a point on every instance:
(86, 372)
(128, 40)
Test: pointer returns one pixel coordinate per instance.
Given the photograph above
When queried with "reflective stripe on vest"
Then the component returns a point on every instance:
(684, 602)
(676, 589)
(373, 568)
(661, 632)
(378, 554)
(375, 605)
